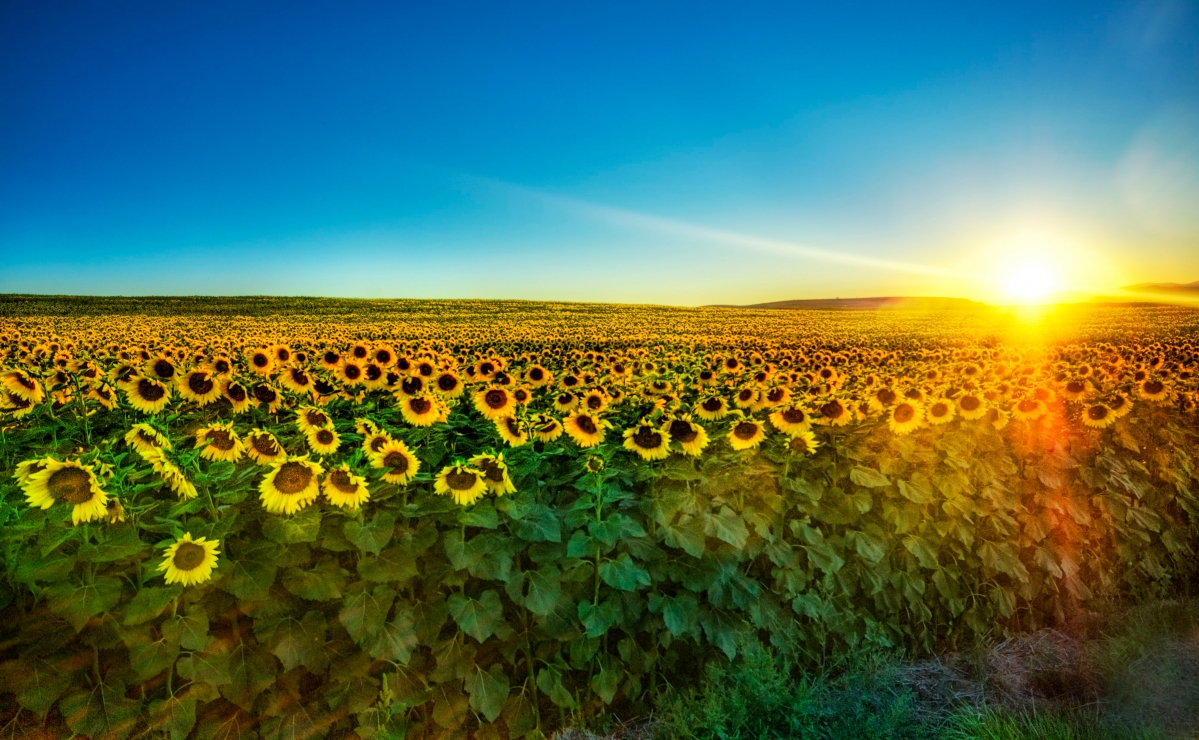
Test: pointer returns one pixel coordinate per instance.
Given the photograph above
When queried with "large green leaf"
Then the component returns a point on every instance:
(726, 525)
(322, 582)
(539, 524)
(374, 535)
(868, 477)
(174, 715)
(251, 671)
(364, 610)
(480, 618)
(149, 603)
(102, 712)
(396, 639)
(303, 526)
(298, 641)
(545, 586)
(78, 603)
(488, 691)
(623, 574)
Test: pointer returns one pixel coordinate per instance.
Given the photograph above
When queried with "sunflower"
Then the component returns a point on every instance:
(649, 443)
(171, 474)
(281, 354)
(264, 394)
(971, 407)
(746, 434)
(465, 484)
(1029, 409)
(69, 481)
(1098, 416)
(147, 395)
(235, 393)
(199, 387)
(449, 384)
(747, 397)
(587, 430)
(310, 418)
(511, 430)
(790, 420)
(345, 489)
(905, 417)
(290, 485)
(522, 395)
(399, 462)
(25, 470)
(940, 411)
(834, 413)
(494, 402)
(996, 417)
(296, 379)
(1074, 390)
(1153, 390)
(565, 401)
(595, 401)
(1120, 405)
(804, 442)
(323, 441)
(351, 372)
(712, 408)
(546, 428)
(537, 376)
(373, 440)
(220, 442)
(263, 448)
(21, 385)
(779, 395)
(260, 362)
(190, 561)
(692, 437)
(15, 406)
(495, 473)
(422, 410)
(143, 437)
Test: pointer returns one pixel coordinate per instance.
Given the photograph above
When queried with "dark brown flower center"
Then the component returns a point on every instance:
(1098, 413)
(447, 383)
(939, 409)
(1154, 387)
(292, 478)
(377, 442)
(188, 556)
(412, 386)
(745, 430)
(461, 480)
(149, 390)
(260, 360)
(832, 410)
(495, 399)
(794, 416)
(264, 445)
(885, 396)
(420, 406)
(1076, 386)
(324, 437)
(595, 402)
(586, 424)
(199, 384)
(536, 374)
(340, 479)
(397, 461)
(316, 418)
(683, 431)
(904, 413)
(713, 405)
(352, 372)
(72, 485)
(1027, 406)
(970, 403)
(264, 394)
(220, 439)
(646, 438)
(236, 392)
(164, 369)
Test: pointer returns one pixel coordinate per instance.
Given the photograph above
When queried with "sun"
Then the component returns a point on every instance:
(1031, 281)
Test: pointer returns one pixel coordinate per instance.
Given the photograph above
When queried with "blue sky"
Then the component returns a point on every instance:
(669, 153)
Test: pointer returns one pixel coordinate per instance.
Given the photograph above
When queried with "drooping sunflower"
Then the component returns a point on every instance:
(546, 428)
(465, 484)
(1074, 389)
(746, 434)
(905, 417)
(940, 411)
(345, 489)
(220, 442)
(147, 395)
(188, 561)
(971, 407)
(587, 430)
(323, 441)
(172, 475)
(296, 379)
(373, 440)
(511, 431)
(199, 387)
(22, 385)
(791, 420)
(495, 472)
(692, 437)
(235, 393)
(263, 448)
(399, 462)
(804, 442)
(1098, 416)
(421, 410)
(494, 402)
(25, 469)
(14, 405)
(712, 408)
(70, 482)
(290, 485)
(143, 437)
(647, 442)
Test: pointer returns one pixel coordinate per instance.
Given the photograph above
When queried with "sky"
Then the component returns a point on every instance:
(674, 153)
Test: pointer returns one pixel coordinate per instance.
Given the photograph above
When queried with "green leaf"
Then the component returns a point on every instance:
(725, 525)
(596, 618)
(1004, 600)
(364, 611)
(176, 716)
(190, 630)
(916, 490)
(868, 477)
(549, 680)
(148, 656)
(396, 639)
(488, 691)
(606, 681)
(480, 618)
(120, 543)
(922, 550)
(149, 603)
(824, 557)
(680, 613)
(303, 526)
(872, 549)
(688, 534)
(251, 575)
(451, 707)
(79, 603)
(206, 667)
(251, 671)
(374, 535)
(545, 586)
(394, 565)
(539, 524)
(298, 641)
(482, 514)
(55, 568)
(37, 682)
(519, 715)
(102, 713)
(454, 660)
(623, 574)
(322, 583)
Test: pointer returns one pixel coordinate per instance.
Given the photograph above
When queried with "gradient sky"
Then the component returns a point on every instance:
(682, 153)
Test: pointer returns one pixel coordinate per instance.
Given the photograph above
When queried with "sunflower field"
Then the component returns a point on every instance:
(303, 518)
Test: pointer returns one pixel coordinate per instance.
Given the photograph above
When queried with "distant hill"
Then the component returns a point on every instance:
(1163, 288)
(866, 304)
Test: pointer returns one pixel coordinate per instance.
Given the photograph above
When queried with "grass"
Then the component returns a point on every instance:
(1134, 677)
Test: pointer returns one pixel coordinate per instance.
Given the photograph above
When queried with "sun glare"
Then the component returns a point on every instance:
(1030, 282)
